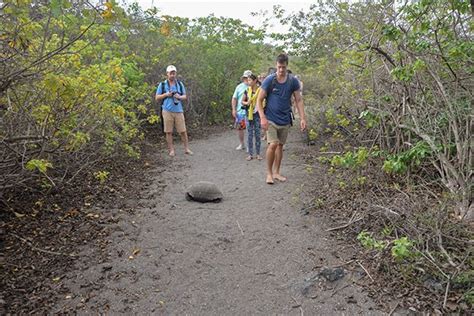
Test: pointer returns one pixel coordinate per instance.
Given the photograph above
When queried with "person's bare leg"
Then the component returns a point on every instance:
(241, 136)
(185, 140)
(278, 159)
(270, 159)
(169, 142)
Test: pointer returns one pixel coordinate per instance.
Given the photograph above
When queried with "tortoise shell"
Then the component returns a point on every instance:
(204, 191)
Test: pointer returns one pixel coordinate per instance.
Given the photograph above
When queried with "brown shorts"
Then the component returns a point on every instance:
(173, 119)
(277, 133)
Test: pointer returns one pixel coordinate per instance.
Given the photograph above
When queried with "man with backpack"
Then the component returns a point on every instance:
(171, 92)
(276, 119)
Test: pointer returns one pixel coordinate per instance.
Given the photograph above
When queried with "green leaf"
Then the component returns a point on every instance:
(56, 7)
(38, 164)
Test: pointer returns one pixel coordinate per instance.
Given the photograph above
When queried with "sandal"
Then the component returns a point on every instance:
(249, 158)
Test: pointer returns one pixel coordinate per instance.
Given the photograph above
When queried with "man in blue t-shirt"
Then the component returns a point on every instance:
(172, 92)
(237, 111)
(276, 118)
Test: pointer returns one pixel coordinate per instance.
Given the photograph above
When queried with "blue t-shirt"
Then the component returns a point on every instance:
(169, 102)
(278, 108)
(239, 95)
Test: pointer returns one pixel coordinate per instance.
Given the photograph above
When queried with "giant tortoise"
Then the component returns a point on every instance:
(204, 191)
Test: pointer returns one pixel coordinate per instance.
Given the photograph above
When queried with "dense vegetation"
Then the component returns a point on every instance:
(391, 84)
(77, 82)
(388, 83)
(402, 74)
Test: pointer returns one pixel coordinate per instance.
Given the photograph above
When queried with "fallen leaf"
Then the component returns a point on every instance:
(19, 215)
(130, 257)
(56, 279)
(136, 251)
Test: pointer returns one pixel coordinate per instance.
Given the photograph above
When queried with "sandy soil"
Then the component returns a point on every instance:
(256, 252)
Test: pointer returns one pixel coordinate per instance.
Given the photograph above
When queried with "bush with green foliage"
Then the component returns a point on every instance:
(78, 80)
(400, 75)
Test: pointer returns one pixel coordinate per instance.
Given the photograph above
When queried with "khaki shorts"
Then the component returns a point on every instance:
(277, 133)
(173, 119)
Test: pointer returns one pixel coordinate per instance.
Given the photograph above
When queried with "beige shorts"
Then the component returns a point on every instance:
(277, 133)
(173, 119)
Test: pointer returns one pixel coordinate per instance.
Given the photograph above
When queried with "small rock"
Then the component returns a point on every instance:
(351, 300)
(434, 285)
(106, 268)
(224, 239)
(332, 274)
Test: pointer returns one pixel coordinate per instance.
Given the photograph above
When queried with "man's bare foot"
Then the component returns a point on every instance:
(259, 157)
(249, 158)
(172, 153)
(188, 152)
(269, 179)
(279, 177)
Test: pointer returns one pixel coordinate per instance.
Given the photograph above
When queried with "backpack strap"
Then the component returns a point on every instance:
(273, 84)
(179, 86)
(163, 86)
(274, 81)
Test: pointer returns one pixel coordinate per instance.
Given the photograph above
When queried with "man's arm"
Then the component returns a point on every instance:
(182, 97)
(234, 106)
(162, 96)
(300, 107)
(263, 119)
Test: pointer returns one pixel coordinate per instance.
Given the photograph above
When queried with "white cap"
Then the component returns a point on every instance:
(247, 73)
(170, 68)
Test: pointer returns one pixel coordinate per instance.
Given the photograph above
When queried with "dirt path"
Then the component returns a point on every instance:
(254, 253)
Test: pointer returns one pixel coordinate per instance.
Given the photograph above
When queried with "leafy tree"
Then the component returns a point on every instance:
(403, 72)
(78, 80)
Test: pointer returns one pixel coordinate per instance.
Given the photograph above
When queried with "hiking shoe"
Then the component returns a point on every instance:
(240, 147)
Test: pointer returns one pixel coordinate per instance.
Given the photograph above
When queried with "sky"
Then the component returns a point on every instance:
(231, 9)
